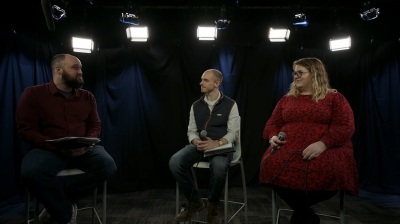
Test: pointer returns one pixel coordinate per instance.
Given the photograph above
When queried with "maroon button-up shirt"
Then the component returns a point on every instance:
(44, 113)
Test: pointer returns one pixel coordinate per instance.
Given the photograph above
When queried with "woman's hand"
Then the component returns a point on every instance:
(314, 150)
(275, 142)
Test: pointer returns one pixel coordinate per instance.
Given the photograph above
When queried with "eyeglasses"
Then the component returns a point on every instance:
(298, 74)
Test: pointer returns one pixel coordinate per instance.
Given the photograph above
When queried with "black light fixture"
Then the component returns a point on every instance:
(46, 7)
(369, 11)
(300, 19)
(340, 35)
(130, 16)
(57, 12)
(222, 22)
(134, 32)
(279, 30)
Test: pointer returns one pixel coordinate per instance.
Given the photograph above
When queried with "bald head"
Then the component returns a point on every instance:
(216, 74)
(67, 72)
(59, 60)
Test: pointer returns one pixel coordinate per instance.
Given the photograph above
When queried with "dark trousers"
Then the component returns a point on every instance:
(57, 193)
(180, 165)
(301, 202)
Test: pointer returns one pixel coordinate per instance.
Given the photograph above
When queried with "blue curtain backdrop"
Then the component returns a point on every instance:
(144, 93)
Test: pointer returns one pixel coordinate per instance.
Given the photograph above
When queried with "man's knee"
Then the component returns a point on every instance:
(30, 172)
(219, 169)
(111, 169)
(173, 163)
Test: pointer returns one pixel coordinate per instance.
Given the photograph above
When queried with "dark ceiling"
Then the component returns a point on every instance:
(178, 19)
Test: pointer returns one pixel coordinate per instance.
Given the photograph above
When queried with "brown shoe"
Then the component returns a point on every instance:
(189, 210)
(212, 213)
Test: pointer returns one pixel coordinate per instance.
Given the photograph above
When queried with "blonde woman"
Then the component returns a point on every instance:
(315, 159)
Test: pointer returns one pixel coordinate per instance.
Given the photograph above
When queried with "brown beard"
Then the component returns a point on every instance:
(72, 82)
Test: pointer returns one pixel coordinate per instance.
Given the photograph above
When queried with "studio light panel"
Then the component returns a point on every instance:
(138, 34)
(83, 45)
(207, 32)
(278, 34)
(340, 44)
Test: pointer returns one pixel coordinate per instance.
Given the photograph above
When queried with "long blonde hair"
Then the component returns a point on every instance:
(319, 77)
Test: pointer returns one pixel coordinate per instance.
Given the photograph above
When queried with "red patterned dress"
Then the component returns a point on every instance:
(304, 122)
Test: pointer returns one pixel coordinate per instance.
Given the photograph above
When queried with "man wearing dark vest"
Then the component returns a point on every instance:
(216, 115)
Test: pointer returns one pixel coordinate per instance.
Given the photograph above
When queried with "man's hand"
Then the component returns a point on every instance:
(203, 145)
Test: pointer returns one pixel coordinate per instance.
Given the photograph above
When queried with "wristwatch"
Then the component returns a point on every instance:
(220, 142)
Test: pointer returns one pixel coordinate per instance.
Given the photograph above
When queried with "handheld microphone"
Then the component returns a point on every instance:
(281, 137)
(203, 135)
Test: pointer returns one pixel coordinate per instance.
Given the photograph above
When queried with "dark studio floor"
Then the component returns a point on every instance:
(158, 206)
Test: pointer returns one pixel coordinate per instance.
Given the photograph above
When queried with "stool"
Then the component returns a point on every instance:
(236, 160)
(68, 172)
(276, 210)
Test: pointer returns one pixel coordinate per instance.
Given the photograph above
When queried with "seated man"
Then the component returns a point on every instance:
(53, 110)
(217, 115)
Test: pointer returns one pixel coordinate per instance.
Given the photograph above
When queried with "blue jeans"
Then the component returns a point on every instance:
(180, 165)
(40, 167)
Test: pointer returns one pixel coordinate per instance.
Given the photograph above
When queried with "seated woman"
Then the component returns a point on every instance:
(315, 159)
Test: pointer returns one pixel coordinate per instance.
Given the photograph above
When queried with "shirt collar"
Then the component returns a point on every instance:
(54, 90)
(211, 103)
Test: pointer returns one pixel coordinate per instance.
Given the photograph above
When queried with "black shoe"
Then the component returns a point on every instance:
(314, 219)
(304, 217)
(212, 213)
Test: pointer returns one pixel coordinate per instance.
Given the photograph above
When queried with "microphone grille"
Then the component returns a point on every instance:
(281, 136)
(203, 133)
